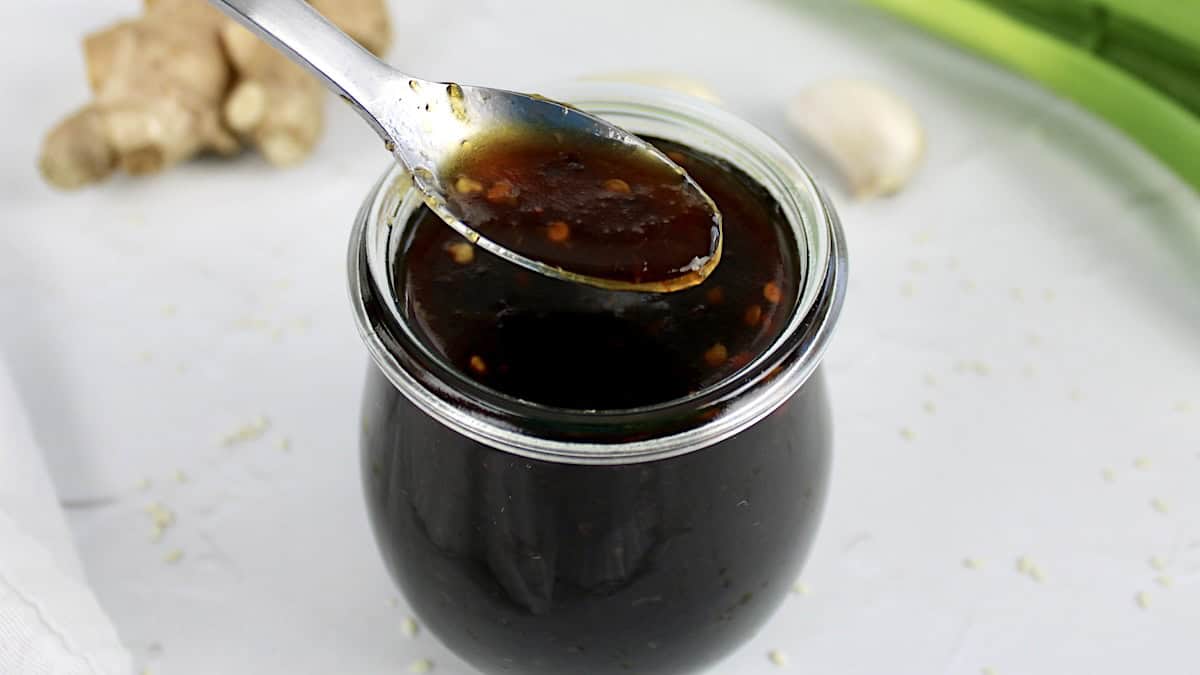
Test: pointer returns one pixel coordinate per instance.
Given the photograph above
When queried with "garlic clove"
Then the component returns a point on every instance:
(675, 82)
(873, 137)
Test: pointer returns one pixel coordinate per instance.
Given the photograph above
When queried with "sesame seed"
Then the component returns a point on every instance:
(1164, 580)
(1048, 295)
(716, 355)
(908, 434)
(173, 556)
(1017, 294)
(1028, 370)
(617, 185)
(968, 285)
(409, 627)
(1157, 563)
(1142, 463)
(800, 588)
(906, 289)
(1034, 339)
(929, 407)
(468, 186)
(1143, 599)
(981, 368)
(461, 252)
(1024, 564)
(1183, 406)
(143, 484)
(1108, 474)
(1036, 573)
(285, 444)
(987, 670)
(1159, 505)
(421, 666)
(180, 476)
(777, 657)
(1075, 394)
(972, 563)
(929, 379)
(918, 266)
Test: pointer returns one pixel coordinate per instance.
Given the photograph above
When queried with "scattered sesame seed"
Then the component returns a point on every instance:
(160, 515)
(1028, 370)
(409, 627)
(285, 444)
(1157, 563)
(906, 289)
(772, 293)
(1183, 406)
(929, 407)
(961, 366)
(1143, 599)
(477, 364)
(1036, 573)
(180, 476)
(1142, 463)
(617, 185)
(1108, 474)
(168, 310)
(143, 484)
(173, 556)
(1048, 295)
(1164, 580)
(1075, 394)
(929, 379)
(247, 432)
(800, 588)
(421, 666)
(922, 237)
(968, 285)
(1017, 294)
(461, 252)
(987, 670)
(181, 368)
(1159, 505)
(981, 368)
(145, 356)
(972, 563)
(1034, 339)
(1024, 564)
(394, 602)
(918, 266)
(777, 657)
(908, 434)
(952, 263)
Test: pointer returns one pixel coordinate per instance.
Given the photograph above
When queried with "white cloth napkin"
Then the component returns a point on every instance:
(50, 622)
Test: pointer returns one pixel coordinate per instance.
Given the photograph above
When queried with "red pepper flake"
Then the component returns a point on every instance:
(715, 295)
(617, 185)
(558, 231)
(677, 157)
(753, 315)
(716, 355)
(772, 293)
(739, 359)
(478, 364)
(502, 192)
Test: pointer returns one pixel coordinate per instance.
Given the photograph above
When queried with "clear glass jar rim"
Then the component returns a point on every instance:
(506, 423)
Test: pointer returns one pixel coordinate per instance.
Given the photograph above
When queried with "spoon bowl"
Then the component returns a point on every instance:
(428, 125)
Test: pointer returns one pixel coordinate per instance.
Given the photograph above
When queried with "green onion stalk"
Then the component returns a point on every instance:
(1136, 63)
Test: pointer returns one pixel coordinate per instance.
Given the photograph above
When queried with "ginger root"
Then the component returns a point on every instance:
(158, 83)
(276, 105)
(183, 79)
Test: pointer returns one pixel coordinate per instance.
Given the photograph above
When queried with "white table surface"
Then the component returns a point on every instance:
(1037, 284)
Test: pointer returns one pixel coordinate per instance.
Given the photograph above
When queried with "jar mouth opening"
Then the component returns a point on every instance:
(656, 430)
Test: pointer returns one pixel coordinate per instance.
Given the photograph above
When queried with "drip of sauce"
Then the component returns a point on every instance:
(615, 215)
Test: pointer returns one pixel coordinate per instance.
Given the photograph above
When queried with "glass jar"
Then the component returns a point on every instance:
(535, 539)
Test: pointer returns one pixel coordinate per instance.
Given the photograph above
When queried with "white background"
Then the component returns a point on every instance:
(1037, 284)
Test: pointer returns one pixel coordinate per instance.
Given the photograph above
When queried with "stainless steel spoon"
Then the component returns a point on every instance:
(426, 124)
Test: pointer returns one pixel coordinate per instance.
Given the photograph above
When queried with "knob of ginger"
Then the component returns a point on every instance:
(158, 82)
(183, 79)
(276, 105)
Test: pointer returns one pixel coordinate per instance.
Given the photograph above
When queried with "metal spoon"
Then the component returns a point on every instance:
(425, 124)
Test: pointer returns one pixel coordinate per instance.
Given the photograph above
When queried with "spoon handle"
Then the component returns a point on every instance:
(298, 30)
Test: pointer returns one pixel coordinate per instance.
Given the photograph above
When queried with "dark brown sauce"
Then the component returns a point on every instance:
(575, 346)
(592, 207)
